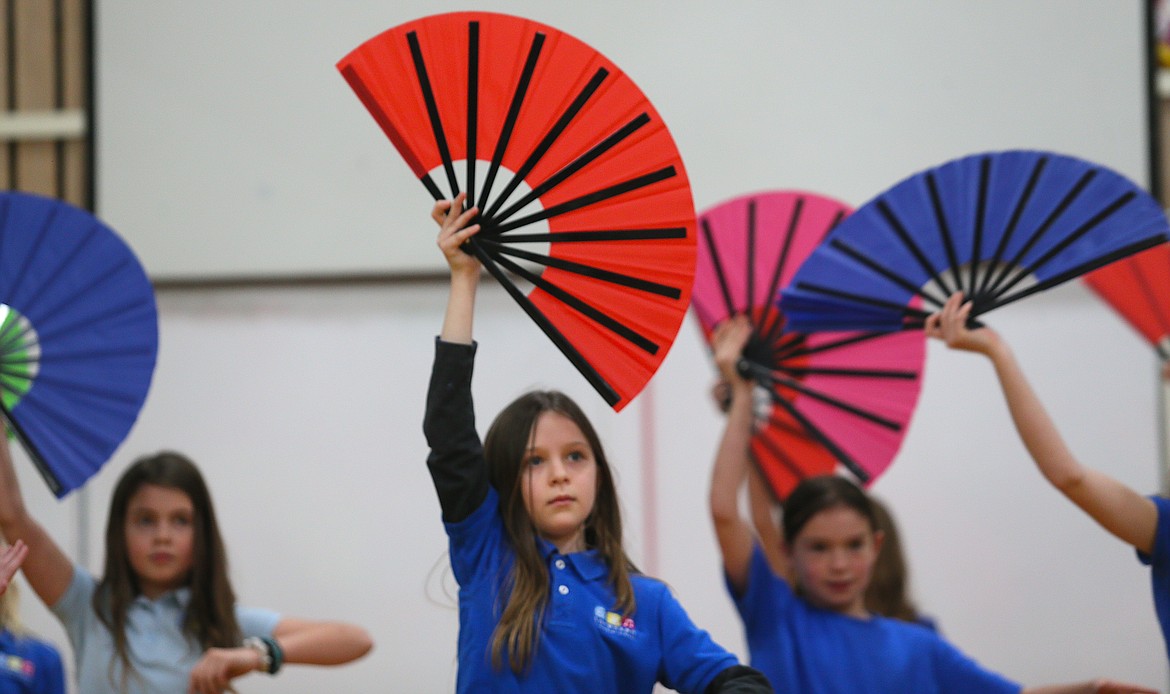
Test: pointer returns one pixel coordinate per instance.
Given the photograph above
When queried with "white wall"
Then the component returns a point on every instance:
(304, 408)
(303, 405)
(230, 146)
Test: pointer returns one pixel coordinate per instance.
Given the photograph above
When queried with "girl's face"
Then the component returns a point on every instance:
(833, 557)
(559, 481)
(160, 538)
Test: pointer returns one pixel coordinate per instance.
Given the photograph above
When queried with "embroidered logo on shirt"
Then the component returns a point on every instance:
(613, 622)
(21, 666)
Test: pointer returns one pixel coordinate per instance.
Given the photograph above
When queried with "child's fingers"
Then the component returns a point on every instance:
(451, 242)
(456, 206)
(466, 233)
(469, 214)
(736, 327)
(964, 312)
(443, 209)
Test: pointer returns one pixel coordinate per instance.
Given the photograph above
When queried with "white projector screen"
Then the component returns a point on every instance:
(230, 148)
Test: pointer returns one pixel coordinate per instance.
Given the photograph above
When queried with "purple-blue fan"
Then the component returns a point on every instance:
(997, 226)
(78, 336)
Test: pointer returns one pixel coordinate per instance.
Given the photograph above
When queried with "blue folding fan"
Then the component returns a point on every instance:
(78, 336)
(996, 226)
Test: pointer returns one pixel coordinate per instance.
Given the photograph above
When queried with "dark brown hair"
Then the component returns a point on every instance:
(505, 448)
(210, 617)
(815, 494)
(888, 593)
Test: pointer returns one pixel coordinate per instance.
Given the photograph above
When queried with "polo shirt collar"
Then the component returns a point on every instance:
(589, 563)
(180, 598)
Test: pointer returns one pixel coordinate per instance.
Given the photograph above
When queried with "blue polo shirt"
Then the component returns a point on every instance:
(584, 646)
(29, 666)
(162, 655)
(1159, 563)
(801, 648)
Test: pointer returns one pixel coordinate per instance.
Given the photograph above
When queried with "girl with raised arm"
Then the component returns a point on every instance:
(814, 633)
(548, 599)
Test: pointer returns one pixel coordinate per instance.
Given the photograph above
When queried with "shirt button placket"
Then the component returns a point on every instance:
(560, 564)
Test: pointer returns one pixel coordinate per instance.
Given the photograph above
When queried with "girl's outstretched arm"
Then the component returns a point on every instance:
(1117, 508)
(456, 457)
(300, 641)
(321, 643)
(763, 506)
(761, 502)
(46, 567)
(1094, 687)
(732, 532)
(11, 557)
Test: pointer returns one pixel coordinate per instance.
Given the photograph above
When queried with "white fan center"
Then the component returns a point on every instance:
(502, 181)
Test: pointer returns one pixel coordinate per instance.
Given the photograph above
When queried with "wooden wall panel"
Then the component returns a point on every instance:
(7, 100)
(34, 75)
(44, 71)
(1164, 148)
(74, 54)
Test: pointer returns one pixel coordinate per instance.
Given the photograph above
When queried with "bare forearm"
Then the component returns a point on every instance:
(322, 643)
(1080, 688)
(766, 524)
(1036, 428)
(1101, 686)
(1117, 508)
(457, 321)
(13, 515)
(46, 568)
(732, 531)
(731, 458)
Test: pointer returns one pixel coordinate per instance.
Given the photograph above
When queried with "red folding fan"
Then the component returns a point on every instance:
(582, 194)
(1138, 287)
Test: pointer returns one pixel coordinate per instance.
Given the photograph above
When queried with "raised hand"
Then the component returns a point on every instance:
(728, 342)
(454, 229)
(950, 326)
(11, 557)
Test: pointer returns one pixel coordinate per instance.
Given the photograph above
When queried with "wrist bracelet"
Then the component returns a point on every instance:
(275, 654)
(262, 650)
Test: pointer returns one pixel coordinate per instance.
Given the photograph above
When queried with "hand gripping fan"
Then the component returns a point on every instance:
(583, 198)
(997, 226)
(1138, 288)
(78, 336)
(829, 401)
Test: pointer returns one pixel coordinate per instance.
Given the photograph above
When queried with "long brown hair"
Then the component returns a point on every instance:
(505, 445)
(210, 617)
(888, 593)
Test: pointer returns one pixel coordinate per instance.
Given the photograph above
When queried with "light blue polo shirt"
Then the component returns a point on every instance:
(162, 655)
(584, 645)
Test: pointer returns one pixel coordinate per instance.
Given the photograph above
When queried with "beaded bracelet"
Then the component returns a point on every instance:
(271, 654)
(275, 653)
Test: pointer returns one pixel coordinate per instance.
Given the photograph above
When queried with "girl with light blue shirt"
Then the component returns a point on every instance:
(163, 616)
